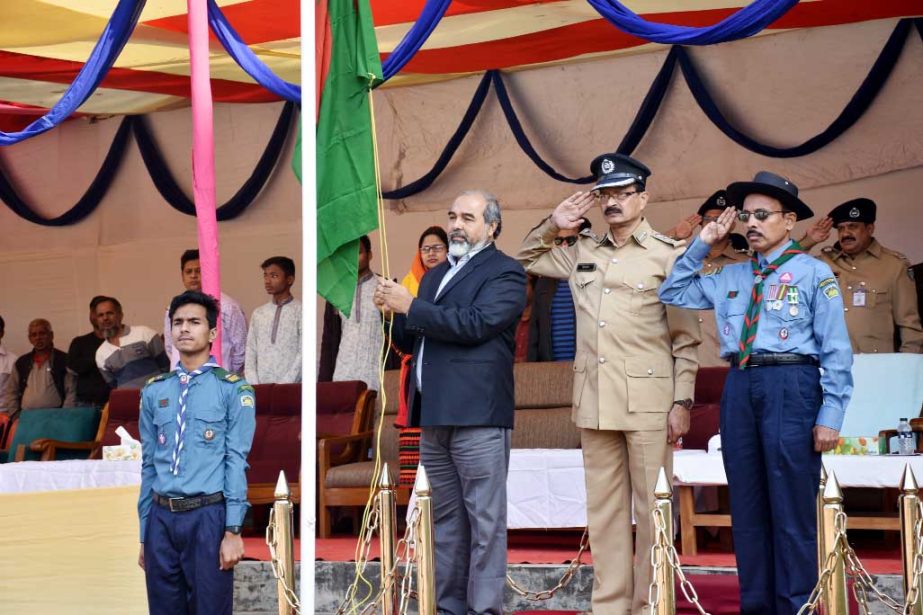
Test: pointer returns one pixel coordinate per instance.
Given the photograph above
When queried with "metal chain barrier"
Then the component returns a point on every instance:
(291, 597)
(564, 581)
(672, 559)
(368, 533)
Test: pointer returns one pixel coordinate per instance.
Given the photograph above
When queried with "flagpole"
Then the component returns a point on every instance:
(309, 306)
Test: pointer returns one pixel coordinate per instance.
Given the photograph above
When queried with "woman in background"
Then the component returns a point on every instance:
(432, 250)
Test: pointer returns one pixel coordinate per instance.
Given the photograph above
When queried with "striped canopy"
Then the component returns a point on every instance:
(43, 43)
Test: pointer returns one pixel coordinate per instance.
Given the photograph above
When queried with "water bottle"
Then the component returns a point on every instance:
(905, 443)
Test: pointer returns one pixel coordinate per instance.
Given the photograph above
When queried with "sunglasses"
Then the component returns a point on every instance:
(759, 214)
(570, 241)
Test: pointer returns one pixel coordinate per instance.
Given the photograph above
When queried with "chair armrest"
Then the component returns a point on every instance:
(352, 442)
(49, 448)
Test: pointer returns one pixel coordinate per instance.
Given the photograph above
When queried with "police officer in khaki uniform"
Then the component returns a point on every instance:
(634, 370)
(878, 290)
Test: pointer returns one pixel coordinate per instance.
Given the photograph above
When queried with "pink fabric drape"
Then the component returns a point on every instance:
(203, 156)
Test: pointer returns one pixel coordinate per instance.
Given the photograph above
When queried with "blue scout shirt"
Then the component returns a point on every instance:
(220, 421)
(802, 312)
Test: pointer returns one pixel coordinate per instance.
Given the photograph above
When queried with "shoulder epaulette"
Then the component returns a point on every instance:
(665, 239)
(588, 232)
(223, 374)
(159, 377)
(896, 254)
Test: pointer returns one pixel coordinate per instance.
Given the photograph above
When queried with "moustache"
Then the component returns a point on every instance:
(458, 234)
(847, 238)
(612, 209)
(754, 234)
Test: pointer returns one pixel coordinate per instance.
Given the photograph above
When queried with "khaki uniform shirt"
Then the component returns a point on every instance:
(878, 295)
(710, 348)
(635, 355)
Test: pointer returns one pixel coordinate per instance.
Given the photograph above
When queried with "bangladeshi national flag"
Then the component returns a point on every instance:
(347, 196)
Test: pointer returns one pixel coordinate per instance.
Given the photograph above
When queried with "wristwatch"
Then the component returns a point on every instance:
(234, 529)
(685, 403)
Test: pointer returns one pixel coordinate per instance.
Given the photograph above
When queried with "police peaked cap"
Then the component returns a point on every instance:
(719, 200)
(774, 186)
(856, 210)
(616, 170)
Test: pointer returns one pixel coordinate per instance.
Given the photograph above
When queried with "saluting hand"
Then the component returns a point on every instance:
(568, 213)
(820, 230)
(719, 229)
(685, 227)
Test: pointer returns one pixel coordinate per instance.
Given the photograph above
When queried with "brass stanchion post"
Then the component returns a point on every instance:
(835, 593)
(425, 551)
(387, 530)
(282, 512)
(821, 547)
(909, 499)
(663, 504)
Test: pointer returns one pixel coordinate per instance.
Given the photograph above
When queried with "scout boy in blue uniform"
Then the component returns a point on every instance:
(197, 425)
(779, 318)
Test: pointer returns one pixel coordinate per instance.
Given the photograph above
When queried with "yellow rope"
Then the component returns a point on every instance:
(387, 327)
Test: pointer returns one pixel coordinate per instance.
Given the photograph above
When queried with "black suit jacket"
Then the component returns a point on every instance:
(470, 329)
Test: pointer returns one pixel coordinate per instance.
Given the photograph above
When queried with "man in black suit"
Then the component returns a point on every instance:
(461, 330)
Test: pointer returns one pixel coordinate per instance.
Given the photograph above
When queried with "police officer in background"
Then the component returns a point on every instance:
(634, 370)
(780, 317)
(197, 425)
(878, 290)
(731, 249)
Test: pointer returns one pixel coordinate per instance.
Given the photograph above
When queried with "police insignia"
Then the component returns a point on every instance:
(246, 401)
(607, 166)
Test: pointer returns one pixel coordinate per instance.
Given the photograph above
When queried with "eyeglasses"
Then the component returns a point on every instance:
(759, 214)
(436, 249)
(569, 240)
(619, 197)
(707, 219)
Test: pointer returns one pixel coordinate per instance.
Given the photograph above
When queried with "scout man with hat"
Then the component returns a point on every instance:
(781, 318)
(634, 369)
(878, 289)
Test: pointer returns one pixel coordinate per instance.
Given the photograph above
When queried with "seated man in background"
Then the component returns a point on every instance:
(92, 389)
(131, 355)
(40, 378)
(233, 320)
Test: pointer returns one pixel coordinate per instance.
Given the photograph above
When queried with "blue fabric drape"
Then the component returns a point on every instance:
(247, 60)
(850, 114)
(746, 22)
(90, 199)
(107, 49)
(170, 190)
(858, 104)
(429, 17)
(474, 107)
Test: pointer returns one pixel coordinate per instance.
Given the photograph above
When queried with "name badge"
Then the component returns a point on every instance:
(858, 298)
(586, 266)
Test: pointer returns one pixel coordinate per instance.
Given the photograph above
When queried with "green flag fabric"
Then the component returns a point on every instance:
(347, 196)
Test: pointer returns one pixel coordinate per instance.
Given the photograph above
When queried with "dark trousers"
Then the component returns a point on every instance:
(181, 562)
(767, 421)
(467, 469)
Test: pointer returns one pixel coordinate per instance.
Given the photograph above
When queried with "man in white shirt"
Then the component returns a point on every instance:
(131, 355)
(274, 338)
(233, 320)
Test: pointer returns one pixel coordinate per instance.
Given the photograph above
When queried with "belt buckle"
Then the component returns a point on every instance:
(171, 501)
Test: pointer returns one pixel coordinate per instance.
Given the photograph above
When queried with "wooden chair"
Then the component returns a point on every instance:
(55, 433)
(346, 462)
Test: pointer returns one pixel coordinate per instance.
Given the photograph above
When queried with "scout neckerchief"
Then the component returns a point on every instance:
(752, 317)
(185, 379)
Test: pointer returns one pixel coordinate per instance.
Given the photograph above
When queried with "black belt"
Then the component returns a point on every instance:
(189, 503)
(776, 358)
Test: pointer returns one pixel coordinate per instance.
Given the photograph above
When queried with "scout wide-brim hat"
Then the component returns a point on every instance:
(774, 186)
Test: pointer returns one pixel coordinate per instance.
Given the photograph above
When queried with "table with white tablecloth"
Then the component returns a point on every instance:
(33, 476)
